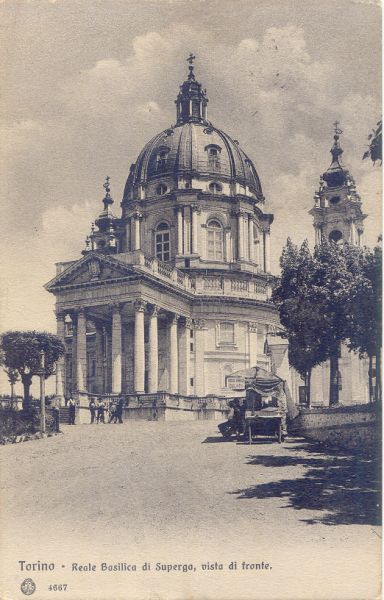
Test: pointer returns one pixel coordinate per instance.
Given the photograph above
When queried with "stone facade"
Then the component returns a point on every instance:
(174, 294)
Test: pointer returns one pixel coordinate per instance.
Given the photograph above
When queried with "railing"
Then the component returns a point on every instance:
(212, 283)
(202, 284)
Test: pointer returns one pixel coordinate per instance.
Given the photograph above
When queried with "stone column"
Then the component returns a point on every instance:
(199, 325)
(153, 357)
(227, 244)
(139, 348)
(60, 323)
(245, 236)
(137, 240)
(252, 344)
(179, 230)
(173, 356)
(195, 210)
(251, 242)
(99, 359)
(184, 357)
(128, 235)
(267, 251)
(353, 232)
(81, 351)
(116, 349)
(73, 386)
(187, 229)
(240, 235)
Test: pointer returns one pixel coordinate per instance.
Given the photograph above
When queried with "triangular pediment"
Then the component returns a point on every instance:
(93, 268)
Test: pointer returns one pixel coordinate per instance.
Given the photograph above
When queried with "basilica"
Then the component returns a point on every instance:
(171, 296)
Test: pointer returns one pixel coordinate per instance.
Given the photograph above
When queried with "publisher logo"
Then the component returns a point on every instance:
(28, 587)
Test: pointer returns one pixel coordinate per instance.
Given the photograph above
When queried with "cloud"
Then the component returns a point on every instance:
(274, 90)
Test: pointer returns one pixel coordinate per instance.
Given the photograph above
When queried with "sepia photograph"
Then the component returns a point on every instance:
(191, 249)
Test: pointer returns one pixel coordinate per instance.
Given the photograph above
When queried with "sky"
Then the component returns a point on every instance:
(85, 84)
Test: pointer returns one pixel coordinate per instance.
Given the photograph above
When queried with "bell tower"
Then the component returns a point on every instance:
(337, 213)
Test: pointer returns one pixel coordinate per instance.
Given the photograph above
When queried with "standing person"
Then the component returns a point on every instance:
(92, 409)
(119, 410)
(112, 412)
(72, 411)
(100, 411)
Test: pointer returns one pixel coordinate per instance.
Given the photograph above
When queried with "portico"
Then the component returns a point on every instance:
(107, 331)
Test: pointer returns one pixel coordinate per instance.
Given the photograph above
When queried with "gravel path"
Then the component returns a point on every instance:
(176, 493)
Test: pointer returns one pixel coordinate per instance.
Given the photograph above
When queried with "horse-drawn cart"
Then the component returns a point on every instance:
(266, 422)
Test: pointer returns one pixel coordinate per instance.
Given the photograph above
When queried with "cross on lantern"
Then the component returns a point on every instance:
(191, 58)
(338, 131)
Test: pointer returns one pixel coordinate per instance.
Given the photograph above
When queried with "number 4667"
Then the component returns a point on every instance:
(58, 587)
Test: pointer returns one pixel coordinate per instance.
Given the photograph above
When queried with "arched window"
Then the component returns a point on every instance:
(214, 240)
(213, 151)
(162, 241)
(334, 200)
(215, 187)
(161, 189)
(161, 159)
(335, 236)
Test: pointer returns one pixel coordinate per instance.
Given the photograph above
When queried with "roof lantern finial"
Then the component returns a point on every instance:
(107, 200)
(335, 175)
(190, 59)
(192, 100)
(336, 149)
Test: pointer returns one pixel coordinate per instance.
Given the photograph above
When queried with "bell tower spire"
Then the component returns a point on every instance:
(191, 102)
(337, 213)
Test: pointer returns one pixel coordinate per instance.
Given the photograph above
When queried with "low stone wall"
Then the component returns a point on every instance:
(162, 407)
(350, 427)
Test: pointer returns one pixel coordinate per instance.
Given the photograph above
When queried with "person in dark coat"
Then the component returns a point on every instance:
(119, 410)
(100, 411)
(92, 409)
(72, 411)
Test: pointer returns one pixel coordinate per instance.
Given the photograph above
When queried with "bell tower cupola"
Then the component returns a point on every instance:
(337, 213)
(191, 102)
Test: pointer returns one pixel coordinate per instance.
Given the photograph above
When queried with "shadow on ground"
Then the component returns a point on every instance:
(344, 487)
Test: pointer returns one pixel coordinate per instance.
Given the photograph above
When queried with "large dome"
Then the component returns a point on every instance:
(192, 153)
(194, 148)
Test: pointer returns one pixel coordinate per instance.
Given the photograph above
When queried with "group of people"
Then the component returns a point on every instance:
(99, 410)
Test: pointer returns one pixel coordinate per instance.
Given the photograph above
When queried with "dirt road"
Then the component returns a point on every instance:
(176, 493)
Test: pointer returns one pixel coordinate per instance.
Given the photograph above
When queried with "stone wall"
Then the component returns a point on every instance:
(350, 427)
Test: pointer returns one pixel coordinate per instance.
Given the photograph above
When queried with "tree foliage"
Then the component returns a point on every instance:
(299, 315)
(364, 313)
(20, 353)
(326, 298)
(375, 148)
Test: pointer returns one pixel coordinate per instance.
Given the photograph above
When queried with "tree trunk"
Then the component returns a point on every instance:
(26, 380)
(370, 378)
(308, 387)
(334, 378)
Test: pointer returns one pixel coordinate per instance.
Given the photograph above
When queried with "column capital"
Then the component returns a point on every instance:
(60, 315)
(199, 323)
(139, 305)
(196, 208)
(115, 306)
(173, 318)
(153, 310)
(253, 326)
(188, 323)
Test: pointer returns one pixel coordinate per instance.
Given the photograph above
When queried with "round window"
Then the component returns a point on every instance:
(335, 236)
(334, 200)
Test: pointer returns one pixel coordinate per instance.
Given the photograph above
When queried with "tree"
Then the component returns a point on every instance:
(20, 352)
(333, 283)
(375, 149)
(365, 310)
(13, 378)
(299, 314)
